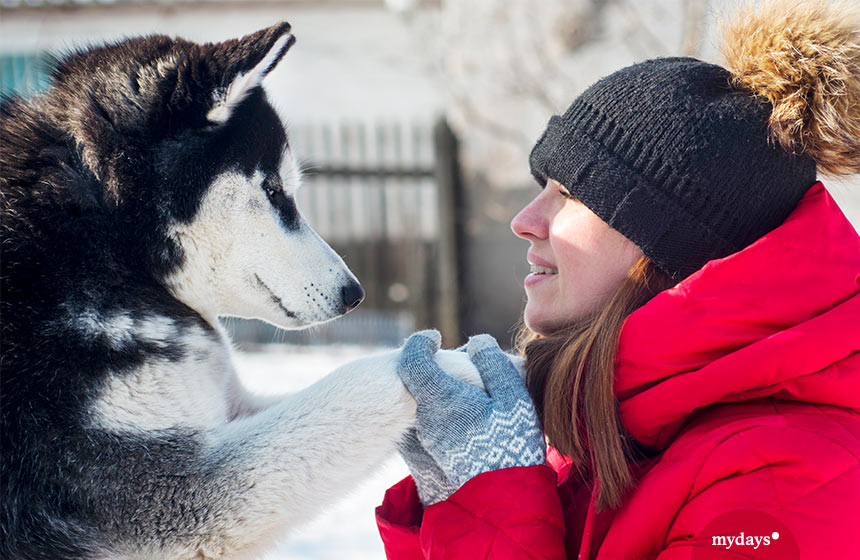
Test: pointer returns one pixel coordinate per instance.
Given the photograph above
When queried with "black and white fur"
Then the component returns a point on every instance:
(147, 192)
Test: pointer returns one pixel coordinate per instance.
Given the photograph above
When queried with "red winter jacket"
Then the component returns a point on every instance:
(747, 376)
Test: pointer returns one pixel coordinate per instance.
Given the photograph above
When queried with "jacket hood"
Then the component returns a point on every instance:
(780, 318)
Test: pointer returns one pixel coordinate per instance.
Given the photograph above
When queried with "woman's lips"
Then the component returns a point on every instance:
(534, 279)
(535, 260)
(541, 271)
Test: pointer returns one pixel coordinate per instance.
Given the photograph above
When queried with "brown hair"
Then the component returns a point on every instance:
(570, 375)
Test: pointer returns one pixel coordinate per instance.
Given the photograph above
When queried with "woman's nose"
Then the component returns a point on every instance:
(530, 223)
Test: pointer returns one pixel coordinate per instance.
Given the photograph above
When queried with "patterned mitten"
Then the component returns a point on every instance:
(466, 430)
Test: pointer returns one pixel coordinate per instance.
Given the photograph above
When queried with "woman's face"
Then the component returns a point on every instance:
(577, 260)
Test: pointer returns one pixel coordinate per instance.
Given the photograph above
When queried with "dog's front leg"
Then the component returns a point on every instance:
(276, 469)
(280, 466)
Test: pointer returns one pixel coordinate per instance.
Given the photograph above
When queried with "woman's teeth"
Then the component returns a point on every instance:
(542, 270)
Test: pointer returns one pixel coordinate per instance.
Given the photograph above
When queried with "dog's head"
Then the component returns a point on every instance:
(182, 135)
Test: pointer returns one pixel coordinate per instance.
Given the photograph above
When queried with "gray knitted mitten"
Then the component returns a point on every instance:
(433, 486)
(468, 431)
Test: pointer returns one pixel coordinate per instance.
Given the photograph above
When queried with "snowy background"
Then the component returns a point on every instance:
(347, 530)
(495, 69)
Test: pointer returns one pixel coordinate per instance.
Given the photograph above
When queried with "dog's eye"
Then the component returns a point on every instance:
(270, 191)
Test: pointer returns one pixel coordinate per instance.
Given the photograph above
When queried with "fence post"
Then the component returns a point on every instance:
(447, 175)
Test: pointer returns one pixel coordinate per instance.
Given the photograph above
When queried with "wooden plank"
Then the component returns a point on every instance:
(450, 235)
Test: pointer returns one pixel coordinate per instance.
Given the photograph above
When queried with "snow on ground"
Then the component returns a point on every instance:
(347, 530)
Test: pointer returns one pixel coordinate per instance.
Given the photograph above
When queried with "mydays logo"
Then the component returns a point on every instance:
(756, 535)
(728, 541)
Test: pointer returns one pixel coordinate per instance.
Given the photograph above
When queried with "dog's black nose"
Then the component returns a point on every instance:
(352, 294)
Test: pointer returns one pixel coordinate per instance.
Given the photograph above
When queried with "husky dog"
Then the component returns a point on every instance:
(148, 191)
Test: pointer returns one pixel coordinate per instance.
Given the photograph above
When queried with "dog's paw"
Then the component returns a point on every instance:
(458, 365)
(455, 363)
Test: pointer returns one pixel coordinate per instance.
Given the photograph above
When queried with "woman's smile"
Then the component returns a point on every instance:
(541, 270)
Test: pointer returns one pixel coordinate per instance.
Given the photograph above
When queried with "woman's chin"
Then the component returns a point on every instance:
(546, 320)
(536, 321)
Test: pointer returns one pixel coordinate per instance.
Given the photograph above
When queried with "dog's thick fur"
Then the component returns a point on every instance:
(146, 193)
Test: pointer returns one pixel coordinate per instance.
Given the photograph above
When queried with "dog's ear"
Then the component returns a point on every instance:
(185, 85)
(242, 64)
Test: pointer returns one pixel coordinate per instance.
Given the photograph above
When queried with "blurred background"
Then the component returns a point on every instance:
(413, 120)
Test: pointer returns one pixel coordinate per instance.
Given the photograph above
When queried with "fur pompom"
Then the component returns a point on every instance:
(804, 56)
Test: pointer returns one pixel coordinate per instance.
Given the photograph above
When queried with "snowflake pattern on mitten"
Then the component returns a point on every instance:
(507, 439)
(468, 431)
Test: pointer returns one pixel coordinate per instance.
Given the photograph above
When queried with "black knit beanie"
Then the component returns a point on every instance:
(672, 155)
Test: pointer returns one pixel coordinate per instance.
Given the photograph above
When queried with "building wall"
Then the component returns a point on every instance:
(352, 60)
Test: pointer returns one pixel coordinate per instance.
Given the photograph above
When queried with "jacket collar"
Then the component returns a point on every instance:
(757, 323)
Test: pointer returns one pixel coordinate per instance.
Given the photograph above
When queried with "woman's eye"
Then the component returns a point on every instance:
(564, 193)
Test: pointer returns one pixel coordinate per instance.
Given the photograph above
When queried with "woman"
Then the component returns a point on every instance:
(694, 308)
